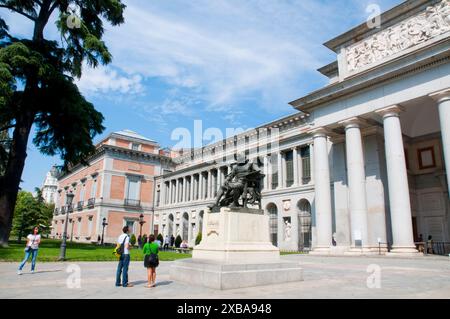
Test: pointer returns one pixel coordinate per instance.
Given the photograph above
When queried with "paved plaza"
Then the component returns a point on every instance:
(324, 277)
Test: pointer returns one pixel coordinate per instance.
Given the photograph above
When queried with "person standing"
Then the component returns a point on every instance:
(172, 241)
(151, 260)
(166, 242)
(31, 249)
(124, 261)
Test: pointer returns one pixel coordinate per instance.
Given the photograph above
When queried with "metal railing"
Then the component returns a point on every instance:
(434, 248)
(80, 205)
(132, 202)
(91, 202)
(56, 211)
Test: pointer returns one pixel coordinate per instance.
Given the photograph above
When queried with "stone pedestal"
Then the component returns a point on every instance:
(235, 252)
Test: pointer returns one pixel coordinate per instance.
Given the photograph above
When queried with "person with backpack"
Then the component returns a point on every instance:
(151, 260)
(123, 249)
(31, 249)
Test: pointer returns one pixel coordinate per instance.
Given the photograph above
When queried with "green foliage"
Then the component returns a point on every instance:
(29, 213)
(133, 240)
(198, 239)
(65, 122)
(37, 87)
(160, 238)
(49, 250)
(178, 241)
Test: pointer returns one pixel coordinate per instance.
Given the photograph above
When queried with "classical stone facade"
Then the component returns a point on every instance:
(361, 165)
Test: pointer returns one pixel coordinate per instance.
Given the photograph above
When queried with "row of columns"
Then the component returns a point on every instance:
(270, 168)
(201, 186)
(402, 232)
(193, 186)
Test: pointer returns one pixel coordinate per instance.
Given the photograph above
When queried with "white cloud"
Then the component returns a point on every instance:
(105, 79)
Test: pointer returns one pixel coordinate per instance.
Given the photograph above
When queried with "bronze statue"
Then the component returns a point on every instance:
(242, 185)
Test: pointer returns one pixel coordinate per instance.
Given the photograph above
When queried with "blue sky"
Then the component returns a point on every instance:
(229, 63)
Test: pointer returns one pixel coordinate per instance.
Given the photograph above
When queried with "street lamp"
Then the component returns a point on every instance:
(141, 222)
(104, 223)
(69, 199)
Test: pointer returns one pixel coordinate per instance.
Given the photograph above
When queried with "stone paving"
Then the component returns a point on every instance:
(324, 277)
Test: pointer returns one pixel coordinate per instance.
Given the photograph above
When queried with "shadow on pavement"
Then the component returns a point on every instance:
(163, 283)
(41, 271)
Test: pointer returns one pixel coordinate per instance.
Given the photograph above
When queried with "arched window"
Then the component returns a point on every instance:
(273, 223)
(304, 224)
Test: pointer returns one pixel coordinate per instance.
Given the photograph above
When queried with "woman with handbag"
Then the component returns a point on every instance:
(151, 260)
(31, 249)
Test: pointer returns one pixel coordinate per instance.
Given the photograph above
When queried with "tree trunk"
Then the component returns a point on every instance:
(9, 183)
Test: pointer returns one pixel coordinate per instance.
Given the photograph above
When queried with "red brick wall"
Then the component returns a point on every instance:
(117, 187)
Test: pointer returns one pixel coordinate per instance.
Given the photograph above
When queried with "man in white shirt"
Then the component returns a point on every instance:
(124, 260)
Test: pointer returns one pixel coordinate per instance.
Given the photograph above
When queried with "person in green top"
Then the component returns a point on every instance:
(151, 260)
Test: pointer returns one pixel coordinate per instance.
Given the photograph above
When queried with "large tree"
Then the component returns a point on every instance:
(37, 86)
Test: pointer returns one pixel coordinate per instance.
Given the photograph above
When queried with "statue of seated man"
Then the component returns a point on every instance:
(232, 189)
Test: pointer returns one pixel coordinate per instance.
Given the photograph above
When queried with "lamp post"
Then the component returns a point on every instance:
(141, 222)
(69, 199)
(104, 223)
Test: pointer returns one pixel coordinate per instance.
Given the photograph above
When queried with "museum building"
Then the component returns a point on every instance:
(361, 163)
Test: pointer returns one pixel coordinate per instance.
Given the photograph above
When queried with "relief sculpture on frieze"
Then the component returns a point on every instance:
(434, 21)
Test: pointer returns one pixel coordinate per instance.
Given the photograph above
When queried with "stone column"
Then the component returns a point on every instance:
(443, 101)
(311, 159)
(202, 186)
(322, 192)
(356, 176)
(209, 188)
(399, 201)
(300, 167)
(266, 172)
(183, 193)
(170, 192)
(163, 193)
(191, 188)
(219, 178)
(280, 168)
(295, 164)
(177, 186)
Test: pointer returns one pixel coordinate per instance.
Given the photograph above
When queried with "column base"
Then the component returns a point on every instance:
(404, 252)
(356, 251)
(320, 251)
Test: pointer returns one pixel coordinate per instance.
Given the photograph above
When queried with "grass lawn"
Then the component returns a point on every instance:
(49, 251)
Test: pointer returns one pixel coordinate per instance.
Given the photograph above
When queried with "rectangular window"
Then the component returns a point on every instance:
(135, 147)
(306, 165)
(94, 189)
(289, 158)
(426, 157)
(82, 191)
(133, 188)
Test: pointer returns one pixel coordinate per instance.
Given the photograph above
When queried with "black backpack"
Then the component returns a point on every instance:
(121, 249)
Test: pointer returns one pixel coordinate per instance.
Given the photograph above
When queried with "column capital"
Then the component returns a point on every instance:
(354, 122)
(393, 110)
(441, 96)
(320, 132)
